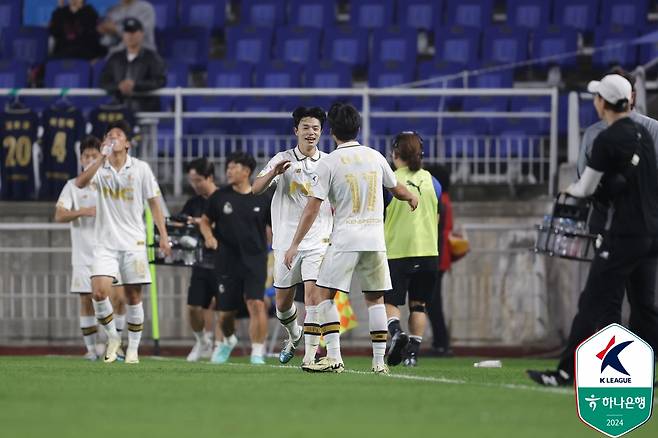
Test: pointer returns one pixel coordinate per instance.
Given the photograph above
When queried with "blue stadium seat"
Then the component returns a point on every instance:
(552, 42)
(67, 73)
(531, 14)
(318, 14)
(463, 137)
(587, 114)
(486, 103)
(13, 74)
(177, 76)
(471, 13)
(327, 74)
(457, 45)
(420, 14)
(505, 44)
(10, 14)
(266, 13)
(249, 44)
(434, 69)
(648, 50)
(209, 125)
(166, 13)
(210, 14)
(229, 74)
(390, 74)
(515, 141)
(627, 13)
(397, 44)
(37, 12)
(494, 79)
(187, 44)
(619, 47)
(297, 44)
(27, 44)
(372, 14)
(347, 45)
(278, 74)
(533, 104)
(425, 126)
(96, 70)
(581, 15)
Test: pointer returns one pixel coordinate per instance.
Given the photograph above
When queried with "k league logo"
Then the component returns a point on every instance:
(614, 381)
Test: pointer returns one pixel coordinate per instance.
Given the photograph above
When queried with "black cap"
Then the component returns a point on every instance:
(132, 25)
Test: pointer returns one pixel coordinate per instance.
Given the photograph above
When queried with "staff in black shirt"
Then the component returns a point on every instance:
(240, 235)
(622, 173)
(204, 282)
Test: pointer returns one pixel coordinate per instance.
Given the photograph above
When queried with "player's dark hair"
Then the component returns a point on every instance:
(122, 125)
(408, 146)
(90, 142)
(202, 166)
(630, 78)
(243, 158)
(315, 112)
(621, 106)
(344, 120)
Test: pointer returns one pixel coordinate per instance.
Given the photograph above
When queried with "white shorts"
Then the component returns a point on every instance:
(305, 267)
(81, 279)
(371, 268)
(126, 267)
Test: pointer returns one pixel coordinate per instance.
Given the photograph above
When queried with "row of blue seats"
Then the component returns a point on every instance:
(582, 15)
(457, 45)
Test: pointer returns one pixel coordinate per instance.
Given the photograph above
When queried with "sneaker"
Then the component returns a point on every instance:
(324, 365)
(257, 360)
(380, 369)
(121, 356)
(90, 356)
(113, 345)
(289, 347)
(131, 357)
(411, 360)
(398, 343)
(222, 353)
(550, 377)
(198, 351)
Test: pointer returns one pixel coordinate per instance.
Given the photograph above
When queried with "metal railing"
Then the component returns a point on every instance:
(541, 154)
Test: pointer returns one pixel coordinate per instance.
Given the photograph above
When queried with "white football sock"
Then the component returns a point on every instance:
(135, 320)
(120, 321)
(257, 350)
(105, 316)
(288, 319)
(312, 334)
(378, 332)
(330, 325)
(89, 327)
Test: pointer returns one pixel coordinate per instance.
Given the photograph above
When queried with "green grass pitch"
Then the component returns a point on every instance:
(68, 397)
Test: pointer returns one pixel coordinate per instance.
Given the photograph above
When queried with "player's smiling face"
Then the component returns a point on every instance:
(308, 132)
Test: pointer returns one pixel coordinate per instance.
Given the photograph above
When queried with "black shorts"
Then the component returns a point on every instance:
(241, 284)
(414, 275)
(203, 287)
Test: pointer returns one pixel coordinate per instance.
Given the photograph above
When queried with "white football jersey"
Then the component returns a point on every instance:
(120, 209)
(82, 229)
(290, 197)
(351, 177)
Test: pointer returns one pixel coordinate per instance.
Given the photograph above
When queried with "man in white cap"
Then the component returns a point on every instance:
(621, 173)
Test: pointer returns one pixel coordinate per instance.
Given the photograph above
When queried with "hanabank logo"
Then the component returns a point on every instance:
(609, 357)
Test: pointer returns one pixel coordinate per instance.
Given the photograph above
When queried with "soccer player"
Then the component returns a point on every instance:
(351, 177)
(293, 173)
(241, 221)
(412, 240)
(78, 207)
(203, 283)
(123, 184)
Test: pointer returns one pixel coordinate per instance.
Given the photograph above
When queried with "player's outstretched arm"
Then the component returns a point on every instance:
(403, 194)
(206, 231)
(64, 215)
(158, 219)
(263, 182)
(305, 222)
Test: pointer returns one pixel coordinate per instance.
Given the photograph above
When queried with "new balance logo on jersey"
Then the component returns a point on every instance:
(123, 194)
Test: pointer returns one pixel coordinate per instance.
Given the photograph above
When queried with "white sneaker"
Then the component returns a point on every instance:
(113, 345)
(131, 357)
(324, 365)
(380, 369)
(90, 356)
(200, 350)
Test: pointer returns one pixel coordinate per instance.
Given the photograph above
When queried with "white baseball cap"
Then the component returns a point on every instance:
(612, 88)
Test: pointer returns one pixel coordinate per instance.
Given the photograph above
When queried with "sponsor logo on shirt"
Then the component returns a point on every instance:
(228, 208)
(125, 194)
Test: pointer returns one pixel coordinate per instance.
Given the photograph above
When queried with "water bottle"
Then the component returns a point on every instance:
(543, 232)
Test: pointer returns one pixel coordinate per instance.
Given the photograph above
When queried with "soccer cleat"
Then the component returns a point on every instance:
(90, 356)
(131, 357)
(398, 343)
(113, 345)
(222, 353)
(121, 356)
(199, 351)
(257, 360)
(324, 365)
(380, 369)
(551, 378)
(411, 360)
(289, 348)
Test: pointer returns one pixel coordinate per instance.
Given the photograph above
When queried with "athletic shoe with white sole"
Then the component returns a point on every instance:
(200, 350)
(324, 365)
(222, 353)
(398, 343)
(551, 377)
(380, 369)
(257, 360)
(90, 356)
(131, 357)
(113, 345)
(289, 348)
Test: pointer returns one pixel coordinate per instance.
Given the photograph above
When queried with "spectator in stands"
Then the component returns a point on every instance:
(73, 27)
(112, 27)
(134, 69)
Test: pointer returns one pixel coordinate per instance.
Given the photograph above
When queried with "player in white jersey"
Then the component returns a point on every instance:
(293, 173)
(124, 184)
(351, 178)
(78, 207)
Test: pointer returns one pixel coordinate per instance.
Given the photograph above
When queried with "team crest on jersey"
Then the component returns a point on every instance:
(256, 209)
(228, 208)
